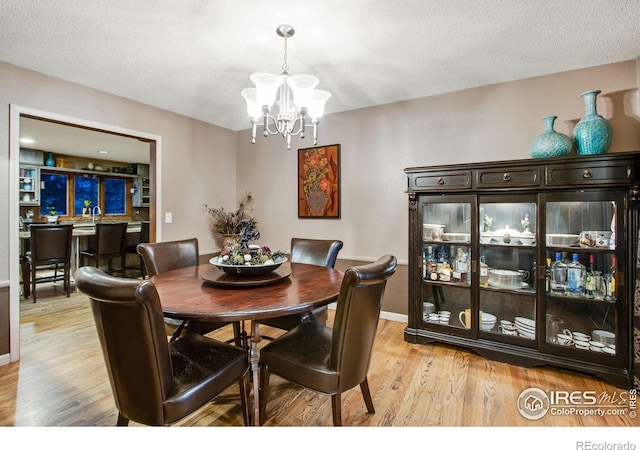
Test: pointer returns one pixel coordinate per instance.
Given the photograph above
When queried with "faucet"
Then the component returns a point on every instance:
(93, 213)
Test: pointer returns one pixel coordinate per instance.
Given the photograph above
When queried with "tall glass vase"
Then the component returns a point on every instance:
(593, 133)
(550, 143)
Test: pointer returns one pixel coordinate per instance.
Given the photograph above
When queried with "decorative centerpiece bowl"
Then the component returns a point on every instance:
(249, 262)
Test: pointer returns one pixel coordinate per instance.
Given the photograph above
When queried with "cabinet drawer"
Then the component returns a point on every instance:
(441, 180)
(598, 172)
(508, 177)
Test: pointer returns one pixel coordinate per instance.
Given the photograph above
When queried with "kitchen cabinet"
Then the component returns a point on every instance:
(142, 195)
(483, 244)
(29, 185)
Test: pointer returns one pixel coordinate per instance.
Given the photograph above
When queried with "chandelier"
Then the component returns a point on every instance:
(299, 104)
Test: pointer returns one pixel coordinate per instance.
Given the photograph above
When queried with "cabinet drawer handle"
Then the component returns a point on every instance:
(440, 181)
(506, 177)
(587, 173)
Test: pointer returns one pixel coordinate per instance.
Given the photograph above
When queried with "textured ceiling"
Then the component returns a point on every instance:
(194, 57)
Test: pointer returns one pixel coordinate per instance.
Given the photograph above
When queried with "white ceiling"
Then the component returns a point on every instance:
(76, 141)
(194, 57)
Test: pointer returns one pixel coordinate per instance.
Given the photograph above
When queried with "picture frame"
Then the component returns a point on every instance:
(319, 182)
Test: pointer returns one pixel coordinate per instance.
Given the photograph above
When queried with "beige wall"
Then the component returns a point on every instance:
(489, 123)
(198, 159)
(207, 164)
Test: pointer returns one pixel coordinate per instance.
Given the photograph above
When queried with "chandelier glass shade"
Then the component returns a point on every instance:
(300, 105)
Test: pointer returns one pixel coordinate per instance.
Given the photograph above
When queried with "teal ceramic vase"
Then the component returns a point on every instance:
(49, 162)
(593, 133)
(550, 143)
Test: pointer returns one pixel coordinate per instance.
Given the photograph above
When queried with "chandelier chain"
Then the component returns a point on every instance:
(285, 66)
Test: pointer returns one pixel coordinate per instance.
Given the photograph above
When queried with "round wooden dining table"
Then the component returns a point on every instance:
(205, 293)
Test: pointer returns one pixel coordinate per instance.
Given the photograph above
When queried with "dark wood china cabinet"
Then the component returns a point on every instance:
(530, 262)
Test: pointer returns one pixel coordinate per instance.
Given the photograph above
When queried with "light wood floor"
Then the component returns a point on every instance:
(61, 380)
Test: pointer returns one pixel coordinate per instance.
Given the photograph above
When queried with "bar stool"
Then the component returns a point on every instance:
(109, 243)
(132, 247)
(50, 249)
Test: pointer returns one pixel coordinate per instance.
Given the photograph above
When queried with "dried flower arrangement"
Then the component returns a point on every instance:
(233, 222)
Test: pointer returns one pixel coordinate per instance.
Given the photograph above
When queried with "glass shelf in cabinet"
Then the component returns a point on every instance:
(525, 290)
(577, 299)
(460, 284)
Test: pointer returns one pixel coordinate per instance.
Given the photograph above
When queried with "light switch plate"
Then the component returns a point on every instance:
(168, 217)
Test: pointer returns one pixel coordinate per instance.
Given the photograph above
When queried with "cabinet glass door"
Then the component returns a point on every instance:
(29, 186)
(446, 264)
(583, 300)
(507, 269)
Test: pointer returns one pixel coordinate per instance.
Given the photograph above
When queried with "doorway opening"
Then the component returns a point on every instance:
(75, 130)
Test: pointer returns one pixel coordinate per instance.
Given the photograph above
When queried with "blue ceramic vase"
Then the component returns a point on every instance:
(550, 143)
(50, 162)
(593, 133)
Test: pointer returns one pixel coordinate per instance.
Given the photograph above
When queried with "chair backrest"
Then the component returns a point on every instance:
(50, 244)
(128, 318)
(356, 319)
(111, 238)
(320, 252)
(159, 257)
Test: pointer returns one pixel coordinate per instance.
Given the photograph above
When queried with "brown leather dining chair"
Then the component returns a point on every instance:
(108, 243)
(320, 252)
(333, 360)
(156, 382)
(50, 250)
(160, 257)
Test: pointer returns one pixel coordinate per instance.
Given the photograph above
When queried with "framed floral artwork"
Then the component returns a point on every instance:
(319, 182)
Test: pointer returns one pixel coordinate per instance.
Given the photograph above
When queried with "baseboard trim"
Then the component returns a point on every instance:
(5, 359)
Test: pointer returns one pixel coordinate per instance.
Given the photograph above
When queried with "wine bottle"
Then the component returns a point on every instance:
(610, 279)
(590, 287)
(430, 263)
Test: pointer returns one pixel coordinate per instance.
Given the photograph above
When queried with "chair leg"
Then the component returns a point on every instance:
(178, 331)
(263, 394)
(26, 279)
(336, 410)
(244, 398)
(366, 393)
(67, 279)
(237, 336)
(122, 421)
(33, 284)
(240, 338)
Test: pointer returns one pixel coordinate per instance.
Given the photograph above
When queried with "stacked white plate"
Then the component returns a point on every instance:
(526, 327)
(606, 337)
(488, 321)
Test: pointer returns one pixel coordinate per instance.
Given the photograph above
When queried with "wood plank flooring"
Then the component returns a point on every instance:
(61, 380)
